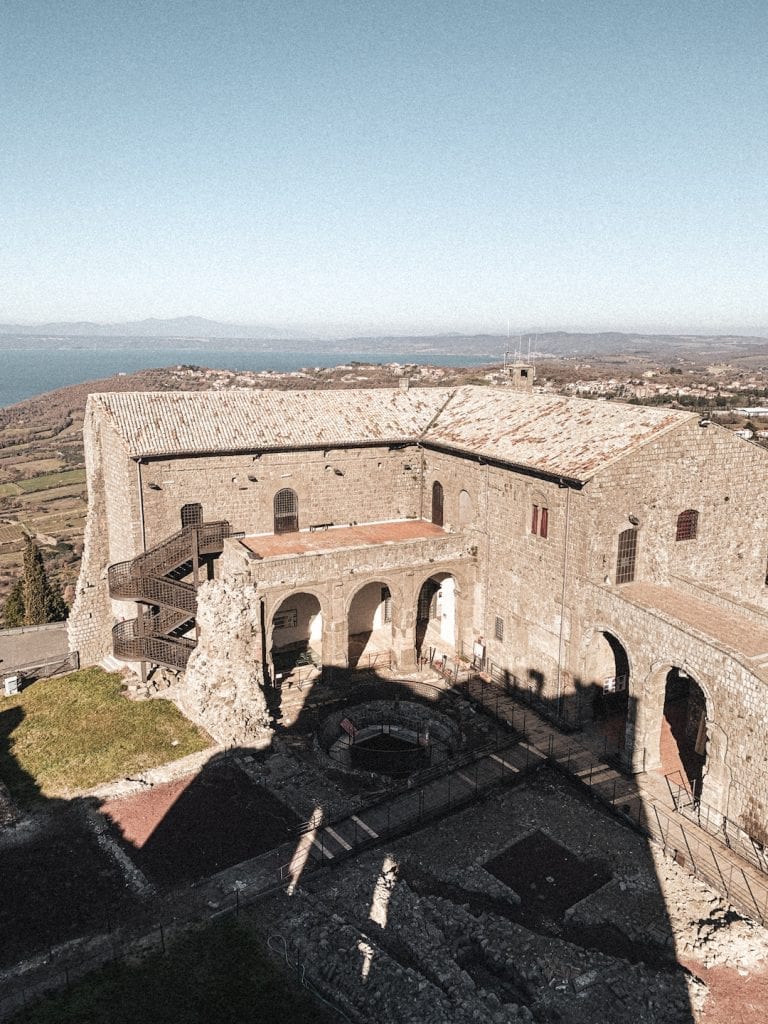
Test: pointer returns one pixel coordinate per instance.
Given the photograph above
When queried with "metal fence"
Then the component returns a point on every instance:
(689, 848)
(716, 824)
(55, 666)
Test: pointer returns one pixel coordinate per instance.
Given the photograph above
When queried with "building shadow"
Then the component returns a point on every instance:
(224, 816)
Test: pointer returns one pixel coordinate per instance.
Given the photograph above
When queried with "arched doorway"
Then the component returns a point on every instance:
(437, 503)
(683, 742)
(607, 694)
(436, 615)
(297, 635)
(369, 623)
(286, 511)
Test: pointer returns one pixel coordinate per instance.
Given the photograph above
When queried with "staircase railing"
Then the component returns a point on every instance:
(129, 645)
(146, 579)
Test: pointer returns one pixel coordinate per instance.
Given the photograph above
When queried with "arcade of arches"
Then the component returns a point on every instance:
(399, 616)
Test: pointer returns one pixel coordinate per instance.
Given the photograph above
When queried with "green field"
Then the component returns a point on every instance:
(63, 735)
(49, 480)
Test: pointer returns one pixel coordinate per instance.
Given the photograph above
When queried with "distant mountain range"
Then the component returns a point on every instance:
(192, 332)
(178, 328)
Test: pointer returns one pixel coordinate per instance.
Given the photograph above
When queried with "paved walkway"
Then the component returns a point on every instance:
(727, 628)
(32, 645)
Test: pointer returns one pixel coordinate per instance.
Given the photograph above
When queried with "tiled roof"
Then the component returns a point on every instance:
(569, 437)
(183, 422)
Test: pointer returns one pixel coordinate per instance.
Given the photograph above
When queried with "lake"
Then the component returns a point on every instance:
(25, 372)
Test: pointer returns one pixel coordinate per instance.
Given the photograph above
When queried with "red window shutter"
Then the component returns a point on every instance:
(535, 520)
(544, 522)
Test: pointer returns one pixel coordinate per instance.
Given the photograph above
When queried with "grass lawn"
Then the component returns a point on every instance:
(76, 731)
(220, 974)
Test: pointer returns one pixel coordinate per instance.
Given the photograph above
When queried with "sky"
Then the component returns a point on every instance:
(386, 165)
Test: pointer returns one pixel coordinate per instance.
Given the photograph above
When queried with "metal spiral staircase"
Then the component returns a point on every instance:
(157, 579)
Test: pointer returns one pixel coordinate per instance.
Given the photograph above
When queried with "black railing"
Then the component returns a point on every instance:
(147, 579)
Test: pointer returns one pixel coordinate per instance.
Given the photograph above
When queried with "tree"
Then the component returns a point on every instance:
(13, 613)
(34, 599)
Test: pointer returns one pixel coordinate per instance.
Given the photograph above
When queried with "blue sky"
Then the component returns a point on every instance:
(386, 164)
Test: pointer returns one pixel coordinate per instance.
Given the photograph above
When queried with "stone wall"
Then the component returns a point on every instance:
(340, 486)
(736, 779)
(112, 533)
(708, 469)
(223, 687)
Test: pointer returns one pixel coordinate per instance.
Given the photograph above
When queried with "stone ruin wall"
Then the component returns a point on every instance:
(112, 534)
(223, 687)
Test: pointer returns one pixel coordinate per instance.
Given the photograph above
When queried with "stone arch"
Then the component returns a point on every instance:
(683, 740)
(466, 509)
(436, 619)
(370, 615)
(295, 633)
(606, 693)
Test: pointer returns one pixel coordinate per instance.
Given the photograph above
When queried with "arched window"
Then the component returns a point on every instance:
(626, 557)
(687, 525)
(286, 507)
(465, 508)
(437, 503)
(192, 514)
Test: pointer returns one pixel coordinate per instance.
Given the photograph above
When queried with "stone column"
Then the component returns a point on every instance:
(404, 627)
(645, 710)
(335, 628)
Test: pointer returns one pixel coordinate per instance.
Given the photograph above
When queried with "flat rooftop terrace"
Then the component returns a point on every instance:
(725, 627)
(334, 538)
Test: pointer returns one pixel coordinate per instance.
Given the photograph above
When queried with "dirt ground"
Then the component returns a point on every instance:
(55, 884)
(735, 997)
(193, 827)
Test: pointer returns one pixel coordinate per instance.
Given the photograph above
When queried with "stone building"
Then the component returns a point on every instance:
(608, 557)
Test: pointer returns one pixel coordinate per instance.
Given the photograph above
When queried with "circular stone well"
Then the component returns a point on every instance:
(393, 738)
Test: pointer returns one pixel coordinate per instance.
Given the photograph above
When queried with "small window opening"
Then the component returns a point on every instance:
(626, 556)
(386, 601)
(286, 508)
(191, 515)
(498, 628)
(687, 525)
(540, 521)
(437, 503)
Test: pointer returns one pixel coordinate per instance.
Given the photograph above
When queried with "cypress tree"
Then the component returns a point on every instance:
(34, 596)
(13, 612)
(35, 585)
